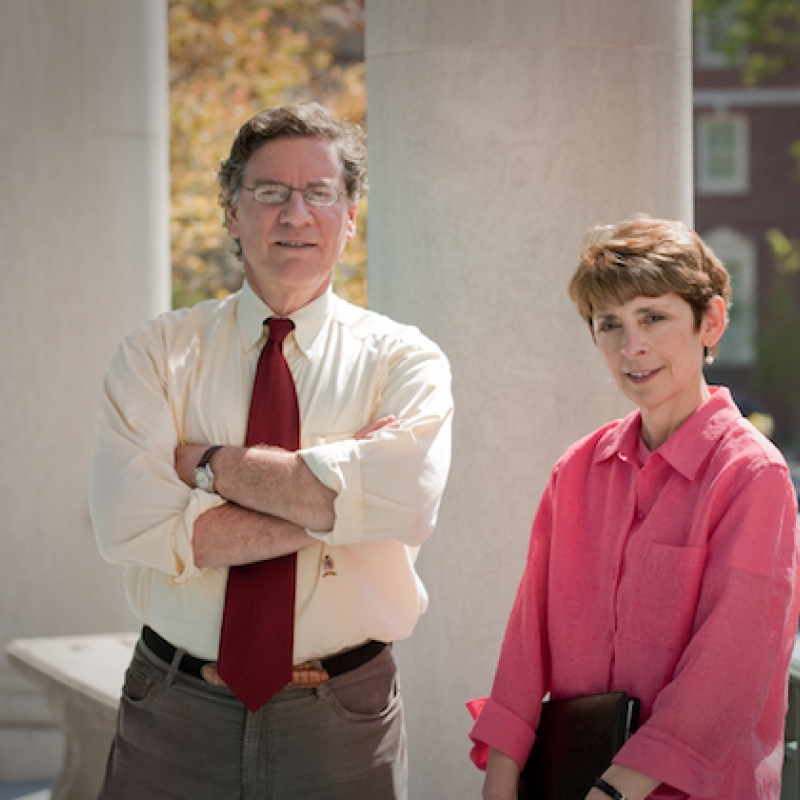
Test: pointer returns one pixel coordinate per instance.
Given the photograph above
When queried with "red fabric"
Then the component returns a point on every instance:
(673, 580)
(255, 654)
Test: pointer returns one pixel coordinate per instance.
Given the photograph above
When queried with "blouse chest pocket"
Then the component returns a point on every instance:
(659, 593)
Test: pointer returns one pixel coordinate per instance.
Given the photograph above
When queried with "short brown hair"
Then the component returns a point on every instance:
(303, 118)
(647, 257)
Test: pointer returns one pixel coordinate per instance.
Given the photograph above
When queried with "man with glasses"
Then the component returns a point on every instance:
(277, 455)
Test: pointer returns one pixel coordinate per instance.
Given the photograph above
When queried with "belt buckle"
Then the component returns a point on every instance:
(308, 674)
(305, 675)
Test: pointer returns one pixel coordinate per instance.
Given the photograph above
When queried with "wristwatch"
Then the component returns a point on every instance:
(203, 476)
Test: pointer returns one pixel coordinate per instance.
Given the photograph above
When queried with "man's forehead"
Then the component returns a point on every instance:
(310, 155)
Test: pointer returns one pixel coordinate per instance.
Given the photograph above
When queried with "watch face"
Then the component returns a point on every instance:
(203, 479)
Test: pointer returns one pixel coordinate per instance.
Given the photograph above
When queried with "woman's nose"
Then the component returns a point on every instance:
(633, 343)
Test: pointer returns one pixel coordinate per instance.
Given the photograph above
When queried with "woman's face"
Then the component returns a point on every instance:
(654, 352)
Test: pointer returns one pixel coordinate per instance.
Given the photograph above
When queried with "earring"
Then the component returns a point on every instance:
(707, 356)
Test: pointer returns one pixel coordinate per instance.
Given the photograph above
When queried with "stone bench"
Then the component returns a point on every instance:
(82, 678)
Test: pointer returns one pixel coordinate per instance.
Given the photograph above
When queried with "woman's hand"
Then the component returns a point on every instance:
(502, 777)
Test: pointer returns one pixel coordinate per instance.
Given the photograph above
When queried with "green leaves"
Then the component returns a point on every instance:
(767, 32)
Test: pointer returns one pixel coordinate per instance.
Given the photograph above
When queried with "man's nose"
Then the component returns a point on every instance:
(295, 210)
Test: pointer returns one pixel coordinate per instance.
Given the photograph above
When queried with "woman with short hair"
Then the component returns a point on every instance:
(662, 559)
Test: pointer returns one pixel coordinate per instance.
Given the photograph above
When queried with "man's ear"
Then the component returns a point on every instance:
(352, 212)
(232, 219)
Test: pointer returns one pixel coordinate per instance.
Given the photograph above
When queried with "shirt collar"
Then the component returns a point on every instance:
(308, 320)
(687, 448)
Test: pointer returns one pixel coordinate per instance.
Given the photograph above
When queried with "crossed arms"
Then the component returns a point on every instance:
(273, 498)
(382, 482)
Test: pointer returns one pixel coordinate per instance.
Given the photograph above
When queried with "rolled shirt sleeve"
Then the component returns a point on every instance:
(390, 485)
(143, 514)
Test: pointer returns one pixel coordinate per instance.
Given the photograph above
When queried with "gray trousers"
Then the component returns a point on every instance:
(179, 738)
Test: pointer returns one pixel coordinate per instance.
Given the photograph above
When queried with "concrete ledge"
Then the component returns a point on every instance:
(82, 677)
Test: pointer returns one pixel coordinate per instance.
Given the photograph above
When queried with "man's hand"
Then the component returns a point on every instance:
(389, 421)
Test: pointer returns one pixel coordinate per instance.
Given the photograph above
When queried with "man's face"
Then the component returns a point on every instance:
(289, 251)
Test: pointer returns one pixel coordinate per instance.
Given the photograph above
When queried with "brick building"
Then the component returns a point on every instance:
(747, 183)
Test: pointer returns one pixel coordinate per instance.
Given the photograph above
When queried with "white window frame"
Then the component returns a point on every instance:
(738, 252)
(738, 181)
(707, 54)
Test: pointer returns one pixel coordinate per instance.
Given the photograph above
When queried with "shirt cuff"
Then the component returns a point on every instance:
(501, 729)
(183, 535)
(338, 466)
(670, 761)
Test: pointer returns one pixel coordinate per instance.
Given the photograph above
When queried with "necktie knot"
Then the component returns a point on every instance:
(279, 329)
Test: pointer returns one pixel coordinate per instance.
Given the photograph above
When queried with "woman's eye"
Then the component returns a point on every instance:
(605, 327)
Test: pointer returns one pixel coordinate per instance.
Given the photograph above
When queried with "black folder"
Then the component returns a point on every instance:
(575, 742)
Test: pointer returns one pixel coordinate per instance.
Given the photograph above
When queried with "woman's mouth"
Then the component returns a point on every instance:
(641, 376)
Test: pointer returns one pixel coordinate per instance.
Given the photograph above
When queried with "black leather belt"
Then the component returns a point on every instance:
(335, 665)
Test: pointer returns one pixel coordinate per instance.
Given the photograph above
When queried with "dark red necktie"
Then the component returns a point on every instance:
(255, 651)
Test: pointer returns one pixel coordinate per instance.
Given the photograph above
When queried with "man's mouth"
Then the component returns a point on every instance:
(295, 244)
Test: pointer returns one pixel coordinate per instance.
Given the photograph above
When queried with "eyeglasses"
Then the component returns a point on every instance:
(273, 194)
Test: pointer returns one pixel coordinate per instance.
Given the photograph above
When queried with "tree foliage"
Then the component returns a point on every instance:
(230, 59)
(764, 35)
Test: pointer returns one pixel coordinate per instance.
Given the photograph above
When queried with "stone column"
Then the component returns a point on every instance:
(84, 256)
(498, 133)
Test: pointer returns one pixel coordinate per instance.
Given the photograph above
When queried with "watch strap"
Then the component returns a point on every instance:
(206, 457)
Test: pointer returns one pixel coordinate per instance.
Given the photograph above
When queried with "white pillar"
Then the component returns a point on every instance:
(498, 133)
(84, 255)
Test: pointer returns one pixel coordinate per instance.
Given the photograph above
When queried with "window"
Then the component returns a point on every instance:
(710, 38)
(738, 253)
(722, 154)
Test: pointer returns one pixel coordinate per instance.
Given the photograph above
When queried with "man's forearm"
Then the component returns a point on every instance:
(230, 535)
(268, 480)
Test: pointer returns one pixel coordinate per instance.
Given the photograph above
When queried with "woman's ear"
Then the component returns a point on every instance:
(715, 320)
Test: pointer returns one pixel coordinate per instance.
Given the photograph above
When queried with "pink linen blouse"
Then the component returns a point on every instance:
(673, 581)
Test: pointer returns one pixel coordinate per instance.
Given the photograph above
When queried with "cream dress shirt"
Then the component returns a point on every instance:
(187, 377)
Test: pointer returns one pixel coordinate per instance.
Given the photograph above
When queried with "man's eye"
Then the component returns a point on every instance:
(654, 317)
(606, 326)
(320, 194)
(271, 193)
